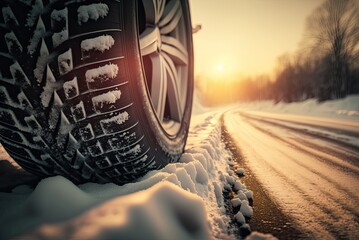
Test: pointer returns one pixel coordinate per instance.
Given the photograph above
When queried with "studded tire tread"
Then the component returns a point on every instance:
(58, 114)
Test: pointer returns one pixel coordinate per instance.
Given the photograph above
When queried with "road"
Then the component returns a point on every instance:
(309, 168)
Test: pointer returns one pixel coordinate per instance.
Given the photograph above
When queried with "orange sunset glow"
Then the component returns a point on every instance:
(279, 49)
(247, 36)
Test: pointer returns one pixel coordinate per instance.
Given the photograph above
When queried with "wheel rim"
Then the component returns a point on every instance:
(164, 50)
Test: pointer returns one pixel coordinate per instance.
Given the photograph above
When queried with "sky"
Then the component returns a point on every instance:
(246, 37)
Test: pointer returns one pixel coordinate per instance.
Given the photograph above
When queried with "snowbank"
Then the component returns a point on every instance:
(184, 200)
(162, 212)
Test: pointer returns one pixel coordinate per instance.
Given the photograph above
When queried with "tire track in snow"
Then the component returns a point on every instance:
(339, 142)
(348, 128)
(324, 158)
(342, 196)
(309, 191)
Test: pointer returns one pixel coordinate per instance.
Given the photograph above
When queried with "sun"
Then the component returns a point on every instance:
(219, 68)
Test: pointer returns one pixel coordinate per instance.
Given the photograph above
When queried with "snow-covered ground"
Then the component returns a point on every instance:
(347, 108)
(182, 201)
(185, 199)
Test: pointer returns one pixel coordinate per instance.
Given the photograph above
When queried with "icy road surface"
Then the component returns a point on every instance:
(309, 166)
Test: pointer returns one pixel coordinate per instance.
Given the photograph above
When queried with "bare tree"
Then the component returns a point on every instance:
(333, 33)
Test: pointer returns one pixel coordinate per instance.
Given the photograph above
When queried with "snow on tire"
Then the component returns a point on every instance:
(95, 91)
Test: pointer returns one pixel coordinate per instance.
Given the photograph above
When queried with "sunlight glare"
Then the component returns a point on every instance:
(219, 68)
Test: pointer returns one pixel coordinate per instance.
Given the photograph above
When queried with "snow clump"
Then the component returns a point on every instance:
(106, 72)
(241, 195)
(236, 202)
(119, 119)
(109, 97)
(245, 209)
(240, 172)
(71, 88)
(92, 11)
(59, 15)
(65, 62)
(240, 218)
(100, 43)
(60, 37)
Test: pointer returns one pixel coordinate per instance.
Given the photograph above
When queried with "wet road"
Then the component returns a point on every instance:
(308, 168)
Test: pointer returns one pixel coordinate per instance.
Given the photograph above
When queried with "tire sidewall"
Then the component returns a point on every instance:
(167, 147)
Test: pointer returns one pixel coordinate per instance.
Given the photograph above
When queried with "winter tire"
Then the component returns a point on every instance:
(95, 90)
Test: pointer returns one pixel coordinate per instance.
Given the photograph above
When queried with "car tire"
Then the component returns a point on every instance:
(96, 91)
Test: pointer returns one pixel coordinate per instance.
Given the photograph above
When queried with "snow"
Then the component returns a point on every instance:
(87, 132)
(184, 200)
(41, 61)
(347, 108)
(71, 88)
(60, 37)
(64, 61)
(49, 88)
(239, 186)
(37, 36)
(103, 73)
(249, 194)
(240, 218)
(65, 125)
(106, 98)
(92, 12)
(12, 40)
(240, 172)
(100, 43)
(260, 236)
(59, 15)
(119, 119)
(304, 155)
(245, 209)
(236, 202)
(34, 13)
(135, 151)
(16, 69)
(241, 195)
(180, 215)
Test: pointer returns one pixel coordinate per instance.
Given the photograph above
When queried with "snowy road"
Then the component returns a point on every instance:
(303, 171)
(308, 166)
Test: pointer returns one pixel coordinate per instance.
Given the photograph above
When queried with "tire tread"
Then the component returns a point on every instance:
(57, 145)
